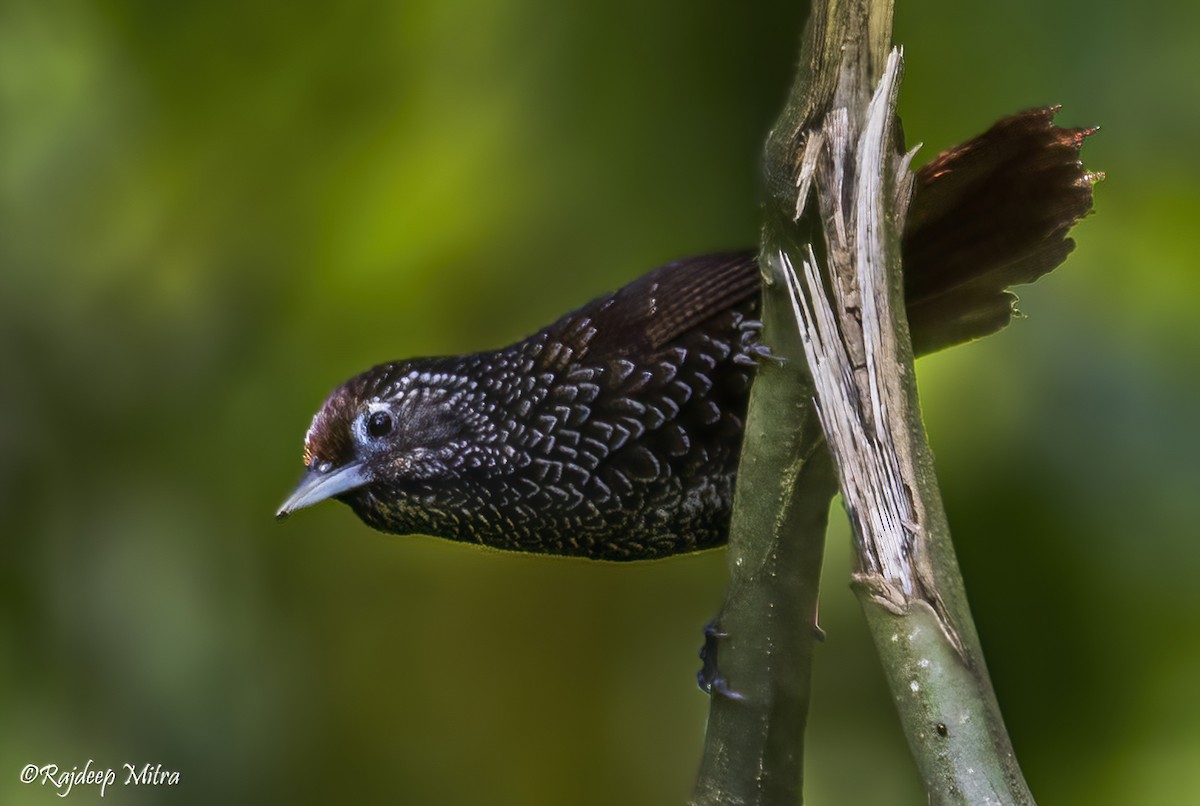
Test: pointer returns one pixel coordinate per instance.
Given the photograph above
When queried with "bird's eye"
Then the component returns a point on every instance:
(379, 424)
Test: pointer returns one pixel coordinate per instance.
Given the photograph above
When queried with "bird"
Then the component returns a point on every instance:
(614, 433)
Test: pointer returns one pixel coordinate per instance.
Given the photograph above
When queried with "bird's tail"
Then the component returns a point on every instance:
(987, 215)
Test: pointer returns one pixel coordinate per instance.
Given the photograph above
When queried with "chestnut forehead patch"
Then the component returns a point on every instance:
(328, 438)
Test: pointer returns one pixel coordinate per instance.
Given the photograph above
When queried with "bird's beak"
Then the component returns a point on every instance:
(316, 486)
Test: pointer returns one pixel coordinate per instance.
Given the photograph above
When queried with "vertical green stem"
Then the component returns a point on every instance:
(754, 744)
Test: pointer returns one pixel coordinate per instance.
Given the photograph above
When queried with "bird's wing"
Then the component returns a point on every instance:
(660, 306)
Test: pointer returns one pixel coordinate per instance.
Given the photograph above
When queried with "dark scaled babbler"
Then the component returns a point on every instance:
(614, 433)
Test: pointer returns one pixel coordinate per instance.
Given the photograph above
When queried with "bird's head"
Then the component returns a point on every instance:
(411, 427)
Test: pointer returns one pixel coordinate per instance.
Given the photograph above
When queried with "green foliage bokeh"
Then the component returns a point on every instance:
(212, 213)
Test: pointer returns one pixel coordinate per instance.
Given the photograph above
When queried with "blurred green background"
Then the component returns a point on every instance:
(212, 213)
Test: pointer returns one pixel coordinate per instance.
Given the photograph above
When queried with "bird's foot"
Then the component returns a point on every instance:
(709, 678)
(753, 351)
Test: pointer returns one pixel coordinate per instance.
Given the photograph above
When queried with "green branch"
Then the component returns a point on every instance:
(849, 304)
(754, 744)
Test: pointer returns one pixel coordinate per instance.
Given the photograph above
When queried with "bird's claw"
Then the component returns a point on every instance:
(709, 678)
(756, 354)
